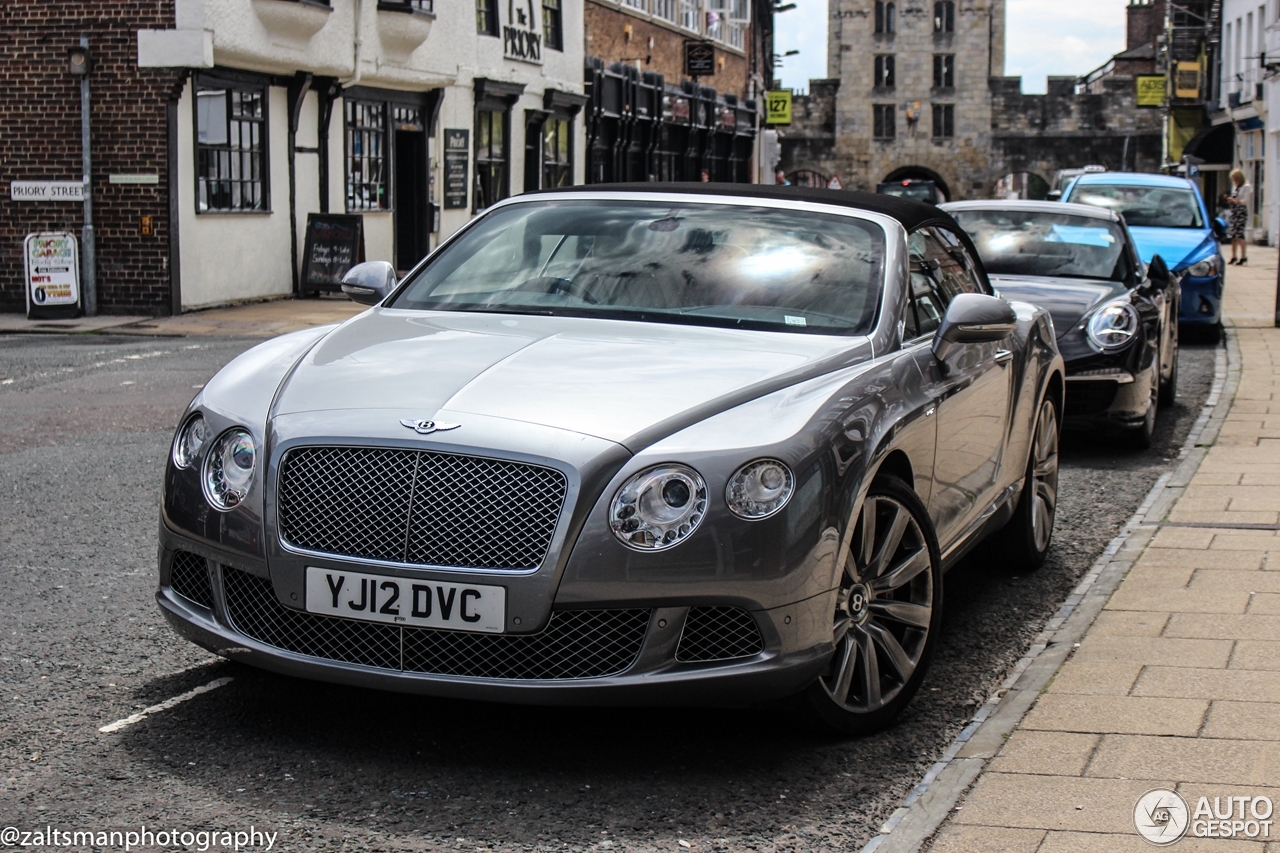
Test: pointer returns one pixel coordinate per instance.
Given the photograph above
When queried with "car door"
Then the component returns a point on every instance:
(972, 391)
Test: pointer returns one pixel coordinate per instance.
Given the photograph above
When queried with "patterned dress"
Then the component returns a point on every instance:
(1237, 215)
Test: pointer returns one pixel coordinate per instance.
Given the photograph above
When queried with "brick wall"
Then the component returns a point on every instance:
(40, 139)
(606, 38)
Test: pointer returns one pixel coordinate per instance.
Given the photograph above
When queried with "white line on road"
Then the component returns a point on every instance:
(163, 706)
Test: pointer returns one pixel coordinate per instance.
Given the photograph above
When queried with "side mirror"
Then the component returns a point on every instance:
(369, 283)
(1054, 195)
(973, 318)
(1158, 272)
(1219, 230)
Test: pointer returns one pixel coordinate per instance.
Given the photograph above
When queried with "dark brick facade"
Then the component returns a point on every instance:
(40, 139)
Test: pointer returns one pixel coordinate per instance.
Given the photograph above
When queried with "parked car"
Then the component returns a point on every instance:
(1116, 320)
(918, 190)
(651, 444)
(1063, 178)
(1167, 217)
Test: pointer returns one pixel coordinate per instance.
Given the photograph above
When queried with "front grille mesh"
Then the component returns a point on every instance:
(718, 633)
(576, 643)
(419, 507)
(189, 578)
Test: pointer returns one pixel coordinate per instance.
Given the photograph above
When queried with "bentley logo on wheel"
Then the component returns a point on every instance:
(424, 427)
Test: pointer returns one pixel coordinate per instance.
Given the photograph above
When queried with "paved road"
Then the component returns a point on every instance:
(85, 423)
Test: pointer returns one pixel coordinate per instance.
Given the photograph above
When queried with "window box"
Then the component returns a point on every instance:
(406, 26)
(292, 21)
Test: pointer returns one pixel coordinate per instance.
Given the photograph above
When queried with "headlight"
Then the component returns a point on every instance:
(1206, 268)
(658, 508)
(1113, 325)
(191, 437)
(228, 469)
(759, 489)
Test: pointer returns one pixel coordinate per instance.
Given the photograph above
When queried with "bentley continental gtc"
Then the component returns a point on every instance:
(655, 444)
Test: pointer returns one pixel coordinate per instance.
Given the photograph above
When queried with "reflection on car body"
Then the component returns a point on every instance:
(707, 444)
(1115, 320)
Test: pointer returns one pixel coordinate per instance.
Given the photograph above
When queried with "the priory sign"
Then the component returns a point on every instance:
(521, 38)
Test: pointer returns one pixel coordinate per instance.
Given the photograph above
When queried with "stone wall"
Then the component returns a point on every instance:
(40, 139)
(1027, 133)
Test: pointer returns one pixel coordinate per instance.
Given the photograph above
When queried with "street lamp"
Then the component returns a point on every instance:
(79, 64)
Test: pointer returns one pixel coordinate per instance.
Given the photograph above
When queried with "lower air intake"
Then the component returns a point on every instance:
(575, 644)
(718, 633)
(189, 578)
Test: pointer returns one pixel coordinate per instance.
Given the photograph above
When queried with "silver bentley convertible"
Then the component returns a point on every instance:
(637, 444)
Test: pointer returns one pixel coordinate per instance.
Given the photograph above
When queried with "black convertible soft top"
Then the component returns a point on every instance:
(911, 214)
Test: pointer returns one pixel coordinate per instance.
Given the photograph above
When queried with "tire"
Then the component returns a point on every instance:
(887, 617)
(1140, 437)
(1169, 387)
(1024, 541)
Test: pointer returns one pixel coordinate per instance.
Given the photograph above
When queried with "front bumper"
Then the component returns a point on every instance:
(1117, 399)
(792, 648)
(1201, 300)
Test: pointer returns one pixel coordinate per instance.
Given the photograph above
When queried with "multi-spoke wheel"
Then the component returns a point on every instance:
(887, 612)
(1141, 436)
(1026, 537)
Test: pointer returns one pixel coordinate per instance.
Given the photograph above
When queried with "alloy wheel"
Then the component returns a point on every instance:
(884, 609)
(1044, 475)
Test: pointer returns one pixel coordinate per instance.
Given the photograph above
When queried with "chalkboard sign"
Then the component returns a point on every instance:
(335, 244)
(457, 160)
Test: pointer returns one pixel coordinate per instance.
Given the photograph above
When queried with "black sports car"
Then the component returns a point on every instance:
(1115, 318)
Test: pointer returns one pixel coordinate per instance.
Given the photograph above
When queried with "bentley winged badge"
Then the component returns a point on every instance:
(425, 427)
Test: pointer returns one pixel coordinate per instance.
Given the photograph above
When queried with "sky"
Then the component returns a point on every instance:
(1044, 37)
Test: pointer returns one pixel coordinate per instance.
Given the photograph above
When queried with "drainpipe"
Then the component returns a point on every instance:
(357, 44)
(88, 243)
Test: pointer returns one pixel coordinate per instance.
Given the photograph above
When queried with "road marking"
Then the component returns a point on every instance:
(163, 706)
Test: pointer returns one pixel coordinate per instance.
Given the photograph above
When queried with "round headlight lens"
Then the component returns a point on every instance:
(191, 437)
(658, 508)
(228, 469)
(759, 489)
(1113, 326)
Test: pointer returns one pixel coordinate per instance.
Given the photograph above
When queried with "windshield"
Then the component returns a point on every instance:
(918, 192)
(704, 264)
(1023, 242)
(1160, 207)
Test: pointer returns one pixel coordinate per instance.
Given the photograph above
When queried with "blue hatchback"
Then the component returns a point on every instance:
(1167, 217)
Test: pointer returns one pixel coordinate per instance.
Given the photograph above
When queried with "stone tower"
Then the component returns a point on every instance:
(914, 97)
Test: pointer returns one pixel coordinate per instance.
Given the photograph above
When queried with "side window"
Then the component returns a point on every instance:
(955, 272)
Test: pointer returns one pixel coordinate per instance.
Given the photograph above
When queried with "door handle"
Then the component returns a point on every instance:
(1004, 356)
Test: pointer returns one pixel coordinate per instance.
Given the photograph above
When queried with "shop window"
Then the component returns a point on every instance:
(885, 121)
(367, 156)
(552, 25)
(884, 72)
(231, 147)
(493, 152)
(487, 17)
(944, 71)
(886, 17)
(557, 153)
(944, 121)
(944, 16)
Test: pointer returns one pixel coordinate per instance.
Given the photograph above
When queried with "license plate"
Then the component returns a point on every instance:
(403, 601)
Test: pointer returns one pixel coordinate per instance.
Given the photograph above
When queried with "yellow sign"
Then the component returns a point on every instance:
(1186, 81)
(1151, 90)
(778, 105)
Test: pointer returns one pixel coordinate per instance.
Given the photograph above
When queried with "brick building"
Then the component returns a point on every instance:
(647, 120)
(226, 123)
(40, 140)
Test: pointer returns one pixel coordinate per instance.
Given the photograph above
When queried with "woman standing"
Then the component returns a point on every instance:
(1239, 203)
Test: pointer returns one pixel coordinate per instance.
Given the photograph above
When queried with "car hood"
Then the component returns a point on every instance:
(627, 382)
(1179, 247)
(1067, 300)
